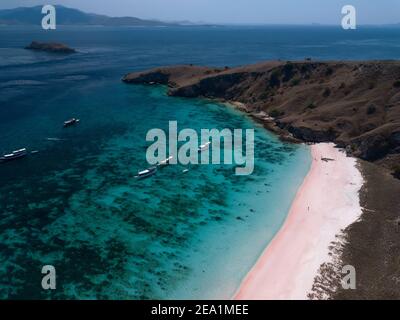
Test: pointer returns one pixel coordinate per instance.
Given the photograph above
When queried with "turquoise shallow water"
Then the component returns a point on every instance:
(76, 204)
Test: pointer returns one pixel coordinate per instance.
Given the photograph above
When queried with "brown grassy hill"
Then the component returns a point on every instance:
(355, 104)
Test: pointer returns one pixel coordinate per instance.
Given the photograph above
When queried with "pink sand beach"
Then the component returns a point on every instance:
(326, 203)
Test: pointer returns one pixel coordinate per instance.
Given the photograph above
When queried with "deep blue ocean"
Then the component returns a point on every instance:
(76, 205)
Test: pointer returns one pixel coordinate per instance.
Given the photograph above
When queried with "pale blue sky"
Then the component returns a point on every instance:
(234, 11)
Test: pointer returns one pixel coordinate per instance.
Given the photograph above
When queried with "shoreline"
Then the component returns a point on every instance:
(366, 243)
(326, 204)
(302, 101)
(268, 122)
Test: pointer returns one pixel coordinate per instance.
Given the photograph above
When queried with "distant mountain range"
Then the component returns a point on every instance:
(69, 16)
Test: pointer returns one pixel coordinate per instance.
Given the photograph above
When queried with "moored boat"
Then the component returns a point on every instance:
(165, 162)
(71, 122)
(146, 173)
(204, 147)
(17, 154)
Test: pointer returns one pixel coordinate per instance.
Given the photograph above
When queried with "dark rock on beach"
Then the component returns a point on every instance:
(50, 47)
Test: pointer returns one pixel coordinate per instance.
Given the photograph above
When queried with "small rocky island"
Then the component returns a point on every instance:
(50, 47)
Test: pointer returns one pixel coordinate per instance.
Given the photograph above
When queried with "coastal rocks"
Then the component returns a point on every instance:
(395, 139)
(311, 135)
(373, 148)
(187, 92)
(353, 104)
(50, 47)
(220, 86)
(176, 76)
(211, 87)
(396, 172)
(377, 145)
(157, 77)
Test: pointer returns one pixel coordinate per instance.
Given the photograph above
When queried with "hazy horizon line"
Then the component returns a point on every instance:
(199, 23)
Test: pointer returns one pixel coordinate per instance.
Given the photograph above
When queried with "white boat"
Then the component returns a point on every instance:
(165, 162)
(17, 154)
(71, 122)
(146, 173)
(204, 147)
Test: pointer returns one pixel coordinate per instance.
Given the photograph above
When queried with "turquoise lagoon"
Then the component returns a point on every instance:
(76, 204)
